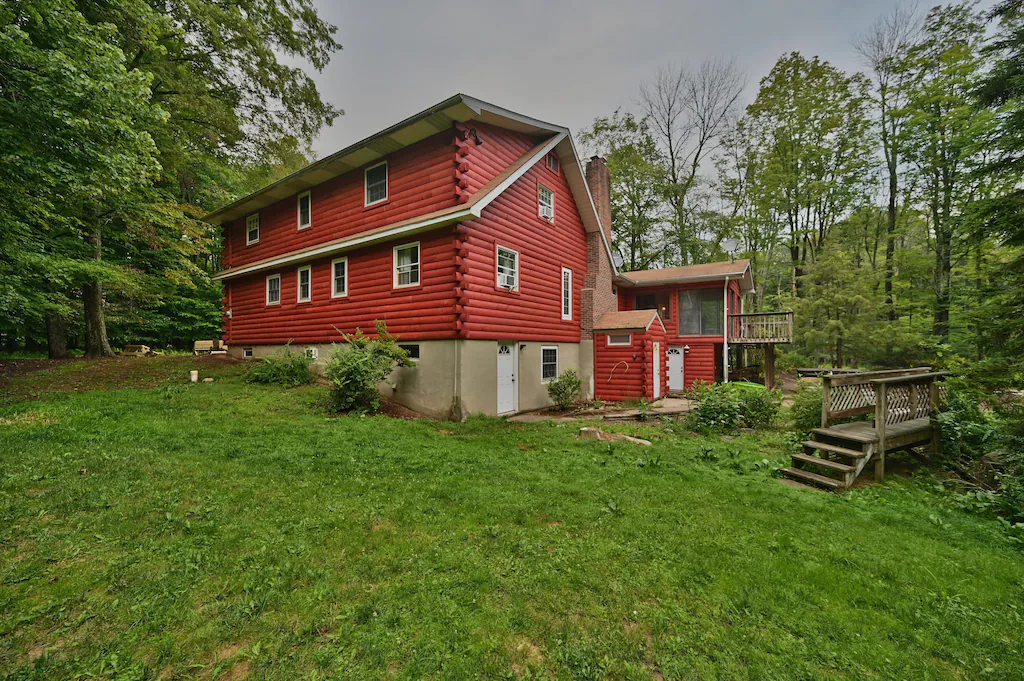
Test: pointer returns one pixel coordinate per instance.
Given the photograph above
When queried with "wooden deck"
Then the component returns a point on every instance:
(902, 402)
(916, 430)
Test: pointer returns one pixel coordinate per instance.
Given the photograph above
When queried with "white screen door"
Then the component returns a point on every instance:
(675, 368)
(506, 378)
(657, 369)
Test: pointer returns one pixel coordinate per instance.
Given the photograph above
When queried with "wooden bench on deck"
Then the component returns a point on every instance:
(902, 402)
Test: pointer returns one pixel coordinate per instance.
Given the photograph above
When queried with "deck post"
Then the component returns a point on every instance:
(933, 409)
(769, 366)
(881, 415)
(826, 400)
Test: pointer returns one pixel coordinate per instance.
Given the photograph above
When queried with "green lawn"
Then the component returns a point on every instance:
(232, 531)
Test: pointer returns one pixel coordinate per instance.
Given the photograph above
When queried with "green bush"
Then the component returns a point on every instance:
(726, 406)
(357, 367)
(565, 390)
(282, 368)
(806, 411)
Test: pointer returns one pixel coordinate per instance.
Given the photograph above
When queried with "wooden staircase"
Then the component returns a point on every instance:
(831, 459)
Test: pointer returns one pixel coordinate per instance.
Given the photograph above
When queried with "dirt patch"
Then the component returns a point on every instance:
(397, 411)
(526, 656)
(240, 670)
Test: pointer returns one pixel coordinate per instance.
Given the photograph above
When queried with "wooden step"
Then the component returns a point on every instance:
(846, 434)
(813, 478)
(835, 449)
(824, 463)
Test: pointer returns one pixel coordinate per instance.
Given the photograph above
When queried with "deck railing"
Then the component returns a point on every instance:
(892, 396)
(761, 327)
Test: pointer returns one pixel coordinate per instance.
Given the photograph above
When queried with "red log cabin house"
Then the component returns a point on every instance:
(477, 235)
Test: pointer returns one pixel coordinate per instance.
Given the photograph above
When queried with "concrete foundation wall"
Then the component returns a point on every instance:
(458, 378)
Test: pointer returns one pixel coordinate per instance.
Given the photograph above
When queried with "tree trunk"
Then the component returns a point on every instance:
(56, 336)
(96, 342)
(943, 269)
(890, 246)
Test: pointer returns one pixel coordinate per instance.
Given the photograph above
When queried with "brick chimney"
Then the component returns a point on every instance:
(598, 297)
(599, 178)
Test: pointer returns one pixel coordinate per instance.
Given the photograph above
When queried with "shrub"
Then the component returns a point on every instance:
(565, 390)
(806, 411)
(282, 368)
(356, 368)
(726, 406)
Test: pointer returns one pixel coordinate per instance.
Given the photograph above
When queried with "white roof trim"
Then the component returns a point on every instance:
(478, 207)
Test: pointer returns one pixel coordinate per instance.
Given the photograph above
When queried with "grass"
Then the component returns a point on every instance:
(233, 531)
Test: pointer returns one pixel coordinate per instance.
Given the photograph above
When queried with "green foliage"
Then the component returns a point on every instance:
(284, 367)
(806, 410)
(357, 367)
(638, 185)
(566, 389)
(727, 406)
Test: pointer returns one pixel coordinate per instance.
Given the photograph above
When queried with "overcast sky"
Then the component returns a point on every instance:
(563, 62)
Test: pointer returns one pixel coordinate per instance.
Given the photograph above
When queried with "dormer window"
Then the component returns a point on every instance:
(252, 229)
(376, 180)
(305, 210)
(546, 199)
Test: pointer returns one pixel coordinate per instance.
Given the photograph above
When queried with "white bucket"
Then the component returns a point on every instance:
(194, 376)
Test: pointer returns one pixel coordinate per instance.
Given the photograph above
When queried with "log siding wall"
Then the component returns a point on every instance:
(704, 360)
(422, 312)
(533, 313)
(421, 178)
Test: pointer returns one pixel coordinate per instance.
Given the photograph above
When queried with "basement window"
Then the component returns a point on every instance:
(548, 363)
(620, 339)
(252, 229)
(412, 348)
(546, 199)
(312, 354)
(407, 265)
(376, 180)
(274, 289)
(247, 353)
(305, 210)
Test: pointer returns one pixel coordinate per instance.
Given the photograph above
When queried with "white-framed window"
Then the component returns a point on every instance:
(507, 268)
(304, 210)
(566, 293)
(412, 348)
(274, 289)
(247, 353)
(407, 265)
(376, 184)
(339, 278)
(552, 163)
(252, 229)
(546, 201)
(312, 353)
(304, 287)
(548, 363)
(620, 339)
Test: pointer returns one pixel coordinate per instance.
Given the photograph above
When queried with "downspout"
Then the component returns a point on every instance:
(725, 333)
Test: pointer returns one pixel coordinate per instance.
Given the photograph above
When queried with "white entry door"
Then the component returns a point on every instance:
(507, 392)
(675, 368)
(657, 369)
